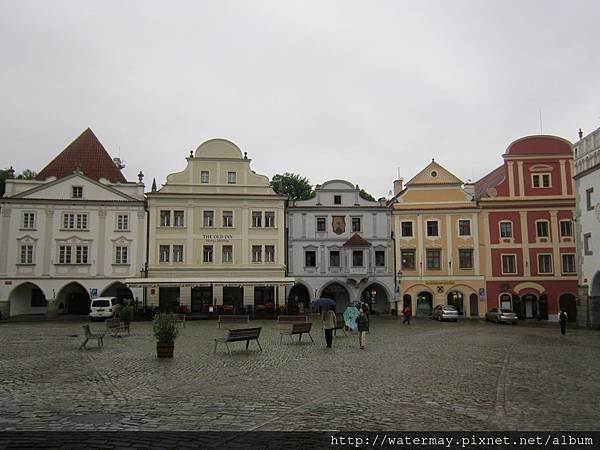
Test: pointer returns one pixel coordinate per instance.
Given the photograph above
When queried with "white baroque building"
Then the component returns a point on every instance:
(340, 247)
(587, 189)
(74, 232)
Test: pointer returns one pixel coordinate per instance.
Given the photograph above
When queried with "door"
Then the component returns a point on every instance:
(474, 305)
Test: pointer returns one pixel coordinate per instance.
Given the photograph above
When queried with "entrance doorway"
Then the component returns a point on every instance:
(529, 305)
(298, 300)
(474, 305)
(455, 298)
(424, 304)
(233, 299)
(568, 304)
(168, 298)
(74, 299)
(406, 301)
(375, 296)
(202, 299)
(339, 294)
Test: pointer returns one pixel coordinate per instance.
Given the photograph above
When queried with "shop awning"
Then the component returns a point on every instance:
(216, 282)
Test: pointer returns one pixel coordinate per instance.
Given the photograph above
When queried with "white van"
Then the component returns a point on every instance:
(104, 308)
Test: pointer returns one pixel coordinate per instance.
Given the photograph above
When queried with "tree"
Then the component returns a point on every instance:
(27, 174)
(365, 195)
(294, 186)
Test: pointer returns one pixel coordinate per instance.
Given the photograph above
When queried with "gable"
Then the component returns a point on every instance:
(434, 174)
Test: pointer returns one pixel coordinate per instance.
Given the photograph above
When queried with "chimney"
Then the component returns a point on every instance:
(398, 185)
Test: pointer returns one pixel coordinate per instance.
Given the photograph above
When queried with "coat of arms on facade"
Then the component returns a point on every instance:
(339, 224)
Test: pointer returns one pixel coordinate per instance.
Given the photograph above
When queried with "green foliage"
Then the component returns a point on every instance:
(165, 327)
(27, 174)
(365, 195)
(292, 185)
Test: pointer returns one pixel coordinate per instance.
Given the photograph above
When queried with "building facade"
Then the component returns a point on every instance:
(75, 232)
(587, 191)
(216, 237)
(437, 244)
(527, 208)
(340, 248)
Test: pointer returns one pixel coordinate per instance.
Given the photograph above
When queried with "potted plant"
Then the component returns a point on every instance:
(126, 314)
(165, 331)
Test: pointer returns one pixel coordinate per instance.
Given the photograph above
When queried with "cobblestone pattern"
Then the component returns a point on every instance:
(426, 376)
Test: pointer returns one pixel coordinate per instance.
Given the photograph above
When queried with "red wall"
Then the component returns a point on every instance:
(554, 289)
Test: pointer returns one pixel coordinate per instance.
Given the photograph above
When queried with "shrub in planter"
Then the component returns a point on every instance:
(165, 331)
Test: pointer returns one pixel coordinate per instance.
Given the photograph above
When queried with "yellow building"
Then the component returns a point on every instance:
(438, 251)
(216, 237)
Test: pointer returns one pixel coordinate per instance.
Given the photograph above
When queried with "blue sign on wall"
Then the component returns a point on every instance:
(481, 292)
(93, 292)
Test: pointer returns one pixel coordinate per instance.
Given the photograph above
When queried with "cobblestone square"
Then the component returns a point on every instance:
(469, 375)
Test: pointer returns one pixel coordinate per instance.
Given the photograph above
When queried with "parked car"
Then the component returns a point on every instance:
(445, 312)
(498, 315)
(104, 308)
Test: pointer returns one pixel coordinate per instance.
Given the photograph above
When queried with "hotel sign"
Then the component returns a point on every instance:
(439, 282)
(217, 237)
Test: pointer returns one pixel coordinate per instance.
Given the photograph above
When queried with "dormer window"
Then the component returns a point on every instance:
(541, 180)
(204, 176)
(337, 199)
(231, 178)
(76, 191)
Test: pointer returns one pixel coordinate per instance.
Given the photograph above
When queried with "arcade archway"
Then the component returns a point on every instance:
(73, 299)
(568, 303)
(339, 294)
(298, 299)
(27, 298)
(424, 304)
(376, 297)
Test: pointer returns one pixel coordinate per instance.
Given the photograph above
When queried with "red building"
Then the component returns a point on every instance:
(527, 207)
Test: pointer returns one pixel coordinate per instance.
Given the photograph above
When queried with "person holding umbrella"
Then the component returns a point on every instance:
(363, 327)
(329, 320)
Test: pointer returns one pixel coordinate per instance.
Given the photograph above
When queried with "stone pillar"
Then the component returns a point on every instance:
(5, 228)
(48, 234)
(101, 241)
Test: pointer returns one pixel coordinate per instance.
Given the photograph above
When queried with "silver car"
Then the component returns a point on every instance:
(498, 315)
(445, 312)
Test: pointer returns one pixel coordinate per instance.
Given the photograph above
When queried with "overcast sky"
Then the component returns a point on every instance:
(359, 90)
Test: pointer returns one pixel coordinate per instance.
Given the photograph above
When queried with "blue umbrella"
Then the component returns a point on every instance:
(323, 302)
(350, 316)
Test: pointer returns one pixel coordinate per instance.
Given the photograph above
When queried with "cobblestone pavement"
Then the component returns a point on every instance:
(426, 376)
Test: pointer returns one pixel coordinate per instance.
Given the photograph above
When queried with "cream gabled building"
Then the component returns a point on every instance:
(216, 237)
(435, 223)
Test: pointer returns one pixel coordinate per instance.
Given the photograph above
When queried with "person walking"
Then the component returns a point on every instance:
(407, 315)
(562, 317)
(329, 321)
(363, 327)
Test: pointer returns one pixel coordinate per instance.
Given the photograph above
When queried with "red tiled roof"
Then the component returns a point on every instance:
(539, 145)
(356, 241)
(492, 179)
(87, 154)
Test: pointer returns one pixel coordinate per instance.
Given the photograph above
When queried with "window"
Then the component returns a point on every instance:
(269, 253)
(256, 219)
(204, 176)
(464, 228)
(165, 218)
(407, 258)
(321, 224)
(177, 218)
(509, 264)
(270, 219)
(227, 253)
(337, 199)
(357, 258)
(26, 254)
(587, 244)
(73, 221)
(355, 224)
(310, 258)
(163, 252)
(231, 177)
(588, 199)
(505, 301)
(544, 263)
(566, 228)
(380, 258)
(465, 258)
(568, 263)
(121, 255)
(407, 229)
(334, 258)
(227, 219)
(506, 229)
(207, 253)
(541, 180)
(256, 253)
(434, 259)
(122, 222)
(64, 254)
(81, 254)
(208, 219)
(29, 220)
(76, 191)
(541, 228)
(178, 253)
(432, 228)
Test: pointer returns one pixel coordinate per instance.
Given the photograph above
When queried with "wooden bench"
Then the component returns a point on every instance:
(292, 319)
(299, 329)
(240, 334)
(233, 319)
(89, 335)
(115, 326)
(340, 324)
